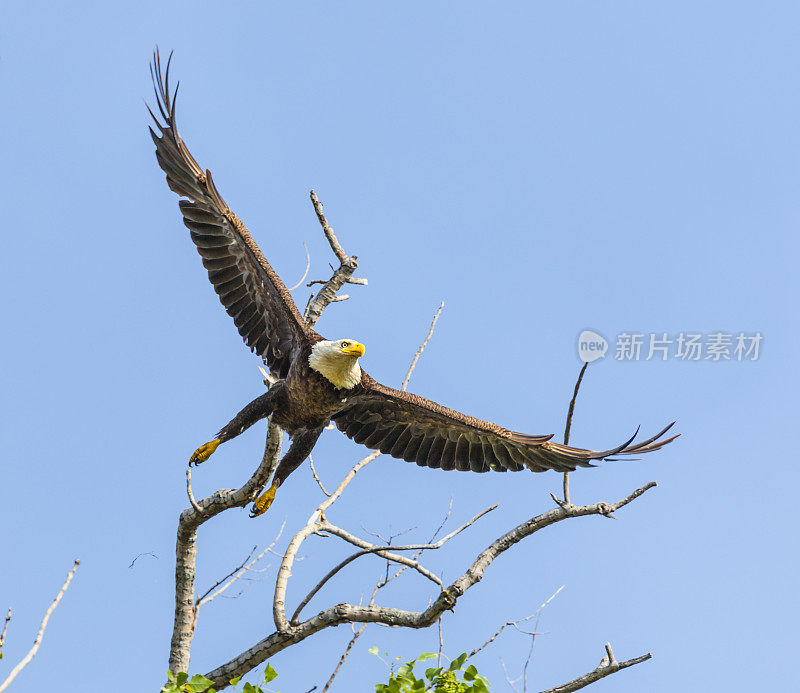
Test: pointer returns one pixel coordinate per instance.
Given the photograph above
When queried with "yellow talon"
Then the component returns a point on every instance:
(263, 502)
(204, 452)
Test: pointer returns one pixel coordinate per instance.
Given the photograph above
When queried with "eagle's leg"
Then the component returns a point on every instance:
(259, 408)
(302, 444)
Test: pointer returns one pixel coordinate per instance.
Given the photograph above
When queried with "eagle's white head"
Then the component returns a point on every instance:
(338, 361)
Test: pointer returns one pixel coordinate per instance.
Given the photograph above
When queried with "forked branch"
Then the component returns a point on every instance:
(288, 634)
(342, 275)
(608, 665)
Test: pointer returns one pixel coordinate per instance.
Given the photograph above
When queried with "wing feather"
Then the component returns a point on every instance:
(418, 430)
(251, 291)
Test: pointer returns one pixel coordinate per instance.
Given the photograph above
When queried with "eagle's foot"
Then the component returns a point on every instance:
(262, 503)
(204, 452)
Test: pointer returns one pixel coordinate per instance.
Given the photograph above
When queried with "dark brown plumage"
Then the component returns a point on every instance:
(303, 401)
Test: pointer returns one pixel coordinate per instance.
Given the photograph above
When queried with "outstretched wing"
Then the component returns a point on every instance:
(251, 291)
(415, 429)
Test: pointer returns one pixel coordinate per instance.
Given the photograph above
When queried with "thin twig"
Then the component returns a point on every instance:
(356, 635)
(422, 347)
(308, 267)
(383, 552)
(569, 426)
(5, 630)
(236, 574)
(608, 666)
(508, 678)
(441, 643)
(316, 477)
(189, 492)
(38, 641)
(515, 624)
(344, 656)
(202, 599)
(402, 569)
(338, 251)
(533, 639)
(378, 586)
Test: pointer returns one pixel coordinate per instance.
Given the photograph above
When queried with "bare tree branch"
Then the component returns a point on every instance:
(379, 586)
(186, 546)
(189, 493)
(287, 634)
(5, 630)
(316, 477)
(202, 598)
(38, 640)
(237, 573)
(515, 624)
(569, 425)
(609, 665)
(422, 347)
(441, 644)
(336, 247)
(348, 265)
(344, 656)
(383, 552)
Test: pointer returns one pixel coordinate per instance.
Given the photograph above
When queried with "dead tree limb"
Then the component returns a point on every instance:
(5, 630)
(186, 546)
(342, 275)
(40, 634)
(287, 634)
(609, 665)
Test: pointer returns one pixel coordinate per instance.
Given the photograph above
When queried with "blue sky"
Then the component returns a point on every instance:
(543, 168)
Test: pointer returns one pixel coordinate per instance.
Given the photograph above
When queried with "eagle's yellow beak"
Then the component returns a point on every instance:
(355, 349)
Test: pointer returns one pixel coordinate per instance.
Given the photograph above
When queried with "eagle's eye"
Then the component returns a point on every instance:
(345, 345)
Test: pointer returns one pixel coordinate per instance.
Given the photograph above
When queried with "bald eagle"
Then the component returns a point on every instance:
(320, 380)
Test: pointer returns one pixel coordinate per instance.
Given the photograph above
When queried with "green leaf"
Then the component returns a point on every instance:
(250, 688)
(470, 672)
(182, 678)
(458, 662)
(270, 674)
(374, 650)
(480, 685)
(406, 671)
(426, 655)
(379, 687)
(199, 684)
(236, 680)
(432, 673)
(170, 675)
